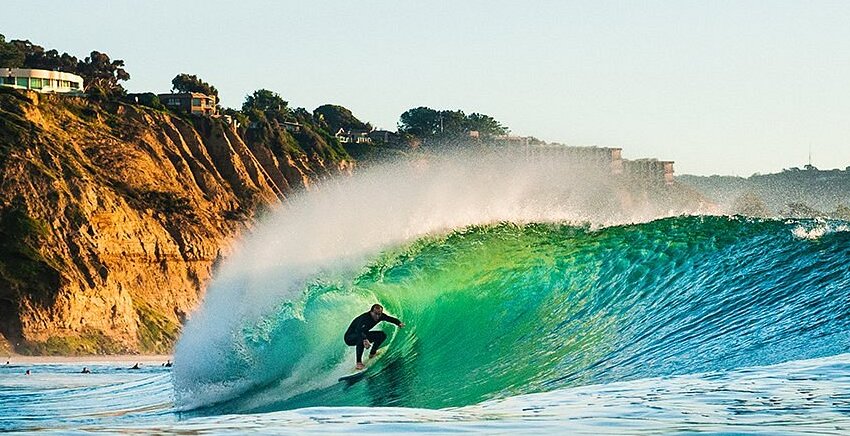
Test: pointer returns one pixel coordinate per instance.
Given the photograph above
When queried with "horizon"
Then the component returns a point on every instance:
(721, 89)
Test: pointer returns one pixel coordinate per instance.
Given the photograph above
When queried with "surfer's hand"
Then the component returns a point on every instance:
(366, 344)
(401, 325)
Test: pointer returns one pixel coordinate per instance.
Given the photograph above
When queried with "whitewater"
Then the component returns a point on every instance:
(538, 296)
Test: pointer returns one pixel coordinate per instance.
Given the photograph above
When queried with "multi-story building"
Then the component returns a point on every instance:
(41, 80)
(190, 102)
(652, 170)
(606, 158)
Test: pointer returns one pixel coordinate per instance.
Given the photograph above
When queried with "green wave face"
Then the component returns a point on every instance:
(502, 310)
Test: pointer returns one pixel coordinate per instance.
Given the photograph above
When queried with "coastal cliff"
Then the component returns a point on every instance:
(114, 215)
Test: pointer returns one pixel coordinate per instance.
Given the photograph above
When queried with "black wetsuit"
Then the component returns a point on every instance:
(359, 330)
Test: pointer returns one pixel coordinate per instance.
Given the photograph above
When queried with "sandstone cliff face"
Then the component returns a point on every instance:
(112, 217)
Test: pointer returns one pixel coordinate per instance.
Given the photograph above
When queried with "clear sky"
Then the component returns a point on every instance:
(725, 87)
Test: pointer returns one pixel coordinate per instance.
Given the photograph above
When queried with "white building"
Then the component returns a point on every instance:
(41, 80)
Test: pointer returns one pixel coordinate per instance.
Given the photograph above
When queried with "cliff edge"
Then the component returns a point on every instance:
(112, 215)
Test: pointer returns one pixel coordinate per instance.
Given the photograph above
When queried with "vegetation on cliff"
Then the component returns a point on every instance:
(112, 215)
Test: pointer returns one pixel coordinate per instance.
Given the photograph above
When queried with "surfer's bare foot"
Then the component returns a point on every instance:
(371, 355)
(359, 366)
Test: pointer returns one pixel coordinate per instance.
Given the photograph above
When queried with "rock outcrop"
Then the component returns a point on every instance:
(113, 216)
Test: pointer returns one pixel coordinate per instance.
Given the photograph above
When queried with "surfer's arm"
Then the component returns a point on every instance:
(392, 319)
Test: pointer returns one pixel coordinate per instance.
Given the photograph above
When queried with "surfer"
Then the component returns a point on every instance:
(359, 336)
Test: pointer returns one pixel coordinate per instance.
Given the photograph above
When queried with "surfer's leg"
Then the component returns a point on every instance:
(376, 338)
(359, 351)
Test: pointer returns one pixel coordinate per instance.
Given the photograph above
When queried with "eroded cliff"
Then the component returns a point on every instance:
(114, 215)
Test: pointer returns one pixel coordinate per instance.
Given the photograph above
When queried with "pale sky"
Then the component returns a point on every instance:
(720, 87)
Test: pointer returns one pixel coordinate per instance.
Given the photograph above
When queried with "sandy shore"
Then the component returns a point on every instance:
(124, 358)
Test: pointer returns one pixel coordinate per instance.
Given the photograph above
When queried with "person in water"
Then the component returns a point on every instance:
(359, 336)
(85, 370)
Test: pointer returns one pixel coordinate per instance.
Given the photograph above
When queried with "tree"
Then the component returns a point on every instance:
(191, 83)
(485, 125)
(102, 74)
(24, 54)
(337, 117)
(265, 104)
(427, 123)
(265, 100)
(422, 122)
(452, 124)
(10, 55)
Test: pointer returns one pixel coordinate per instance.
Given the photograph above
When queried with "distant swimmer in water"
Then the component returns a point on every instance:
(85, 370)
(136, 366)
(27, 373)
(359, 336)
(167, 364)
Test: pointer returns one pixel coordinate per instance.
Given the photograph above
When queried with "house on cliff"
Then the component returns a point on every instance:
(384, 137)
(44, 81)
(190, 103)
(353, 136)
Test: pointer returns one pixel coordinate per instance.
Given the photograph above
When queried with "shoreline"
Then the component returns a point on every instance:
(16, 359)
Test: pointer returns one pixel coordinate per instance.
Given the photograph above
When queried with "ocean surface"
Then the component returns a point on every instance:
(687, 324)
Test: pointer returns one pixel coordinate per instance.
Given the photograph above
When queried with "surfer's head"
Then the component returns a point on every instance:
(376, 311)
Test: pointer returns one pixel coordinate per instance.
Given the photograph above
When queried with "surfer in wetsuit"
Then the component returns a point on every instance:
(359, 336)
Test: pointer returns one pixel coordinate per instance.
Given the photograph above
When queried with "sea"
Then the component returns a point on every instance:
(519, 319)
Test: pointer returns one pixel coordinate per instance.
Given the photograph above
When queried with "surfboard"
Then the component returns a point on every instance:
(357, 374)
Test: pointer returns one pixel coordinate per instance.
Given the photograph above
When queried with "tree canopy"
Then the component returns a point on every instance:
(10, 55)
(335, 117)
(191, 83)
(265, 104)
(422, 122)
(24, 54)
(102, 74)
(427, 123)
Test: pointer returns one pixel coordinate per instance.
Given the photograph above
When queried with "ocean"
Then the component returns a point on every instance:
(521, 317)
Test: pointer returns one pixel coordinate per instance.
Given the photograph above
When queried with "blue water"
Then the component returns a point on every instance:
(687, 324)
(800, 397)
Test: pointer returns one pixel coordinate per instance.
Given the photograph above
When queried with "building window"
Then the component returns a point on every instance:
(23, 82)
(196, 102)
(35, 83)
(9, 80)
(75, 85)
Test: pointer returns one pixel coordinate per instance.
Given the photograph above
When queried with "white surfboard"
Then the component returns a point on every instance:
(359, 373)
